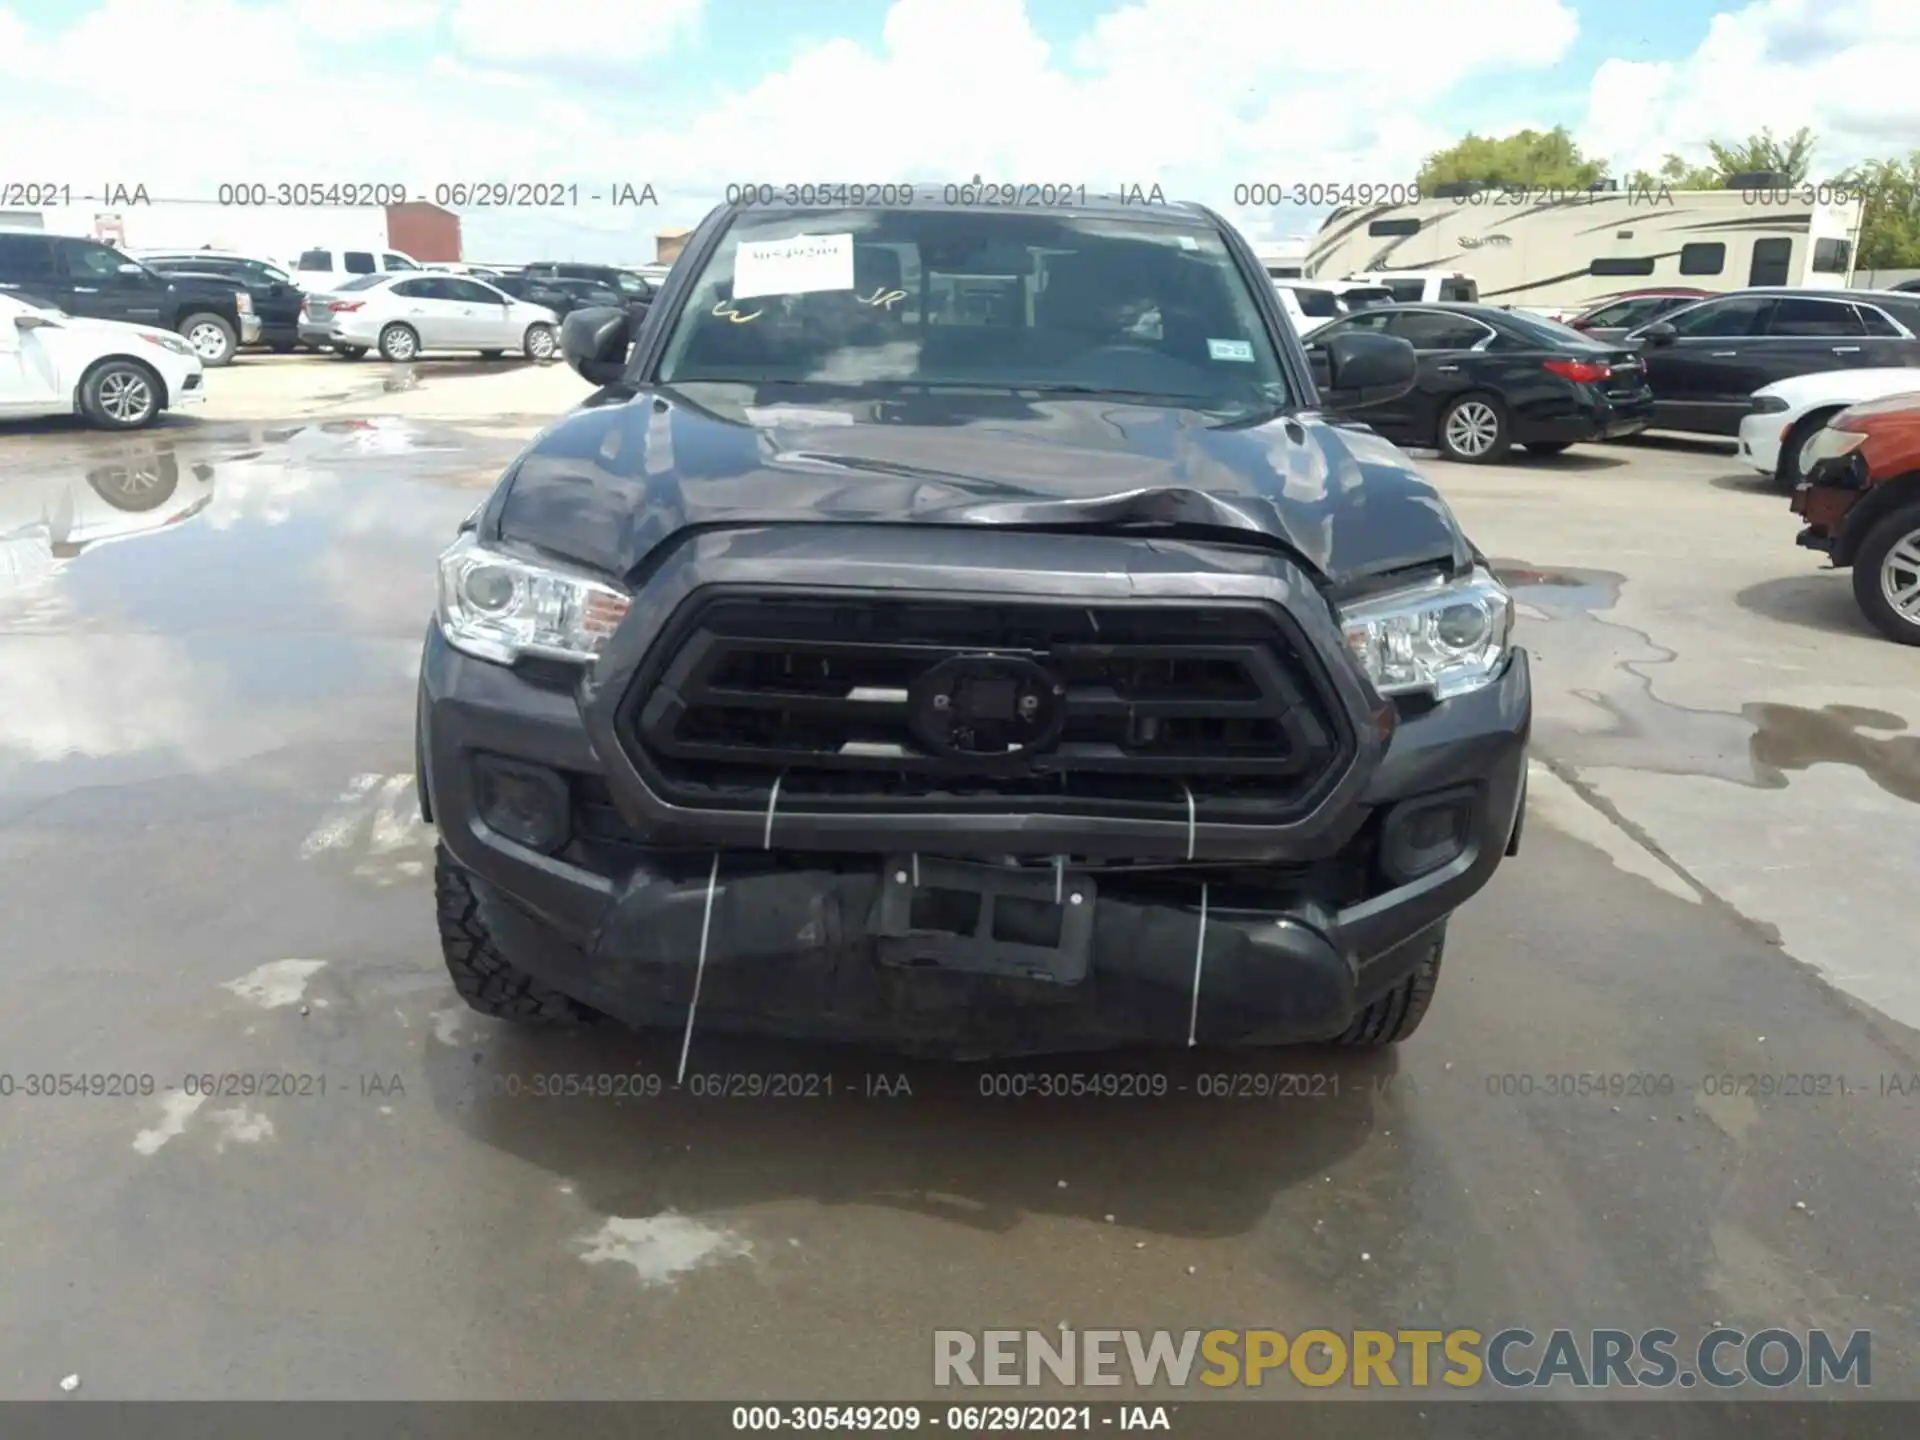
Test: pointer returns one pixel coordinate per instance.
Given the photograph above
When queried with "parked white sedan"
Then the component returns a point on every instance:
(403, 316)
(1786, 415)
(118, 376)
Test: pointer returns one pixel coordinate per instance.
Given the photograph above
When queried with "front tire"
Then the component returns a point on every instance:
(539, 342)
(1473, 431)
(1398, 1013)
(120, 395)
(486, 979)
(399, 343)
(211, 337)
(1886, 575)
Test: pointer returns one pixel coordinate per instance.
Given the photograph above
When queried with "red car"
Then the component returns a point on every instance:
(1861, 502)
(1631, 309)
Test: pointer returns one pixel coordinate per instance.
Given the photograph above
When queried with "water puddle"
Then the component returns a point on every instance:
(1790, 737)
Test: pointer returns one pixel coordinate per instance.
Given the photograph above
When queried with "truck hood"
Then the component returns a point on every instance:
(609, 483)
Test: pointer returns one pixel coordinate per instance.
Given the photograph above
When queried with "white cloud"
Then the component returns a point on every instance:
(1195, 97)
(1828, 64)
(516, 33)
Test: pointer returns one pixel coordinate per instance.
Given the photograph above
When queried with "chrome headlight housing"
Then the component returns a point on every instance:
(1441, 638)
(499, 607)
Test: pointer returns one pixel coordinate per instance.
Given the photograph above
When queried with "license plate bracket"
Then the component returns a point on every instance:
(1026, 924)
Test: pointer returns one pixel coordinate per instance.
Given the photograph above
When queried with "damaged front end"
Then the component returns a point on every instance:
(974, 794)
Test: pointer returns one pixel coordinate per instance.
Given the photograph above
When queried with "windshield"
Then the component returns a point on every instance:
(362, 282)
(968, 298)
(1366, 297)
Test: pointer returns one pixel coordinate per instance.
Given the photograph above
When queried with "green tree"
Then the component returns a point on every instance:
(1890, 226)
(1790, 158)
(1676, 174)
(1527, 157)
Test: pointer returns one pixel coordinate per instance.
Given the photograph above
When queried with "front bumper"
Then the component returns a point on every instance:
(1295, 944)
(187, 388)
(1760, 442)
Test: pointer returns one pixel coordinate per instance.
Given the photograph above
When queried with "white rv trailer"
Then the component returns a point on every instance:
(1566, 251)
(1284, 259)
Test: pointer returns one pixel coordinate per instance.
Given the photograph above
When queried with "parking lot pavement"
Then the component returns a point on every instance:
(1718, 690)
(212, 871)
(260, 386)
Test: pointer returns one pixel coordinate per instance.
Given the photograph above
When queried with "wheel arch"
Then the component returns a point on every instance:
(94, 365)
(1882, 500)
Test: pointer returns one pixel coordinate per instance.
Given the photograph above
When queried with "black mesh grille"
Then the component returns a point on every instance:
(1156, 702)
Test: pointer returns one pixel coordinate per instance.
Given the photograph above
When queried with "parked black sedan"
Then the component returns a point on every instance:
(1705, 362)
(1492, 378)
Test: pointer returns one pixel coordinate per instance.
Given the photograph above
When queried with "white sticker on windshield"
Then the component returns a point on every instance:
(1187, 242)
(1230, 350)
(799, 266)
(770, 417)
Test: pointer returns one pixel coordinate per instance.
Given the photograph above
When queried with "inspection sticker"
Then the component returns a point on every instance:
(1230, 350)
(799, 266)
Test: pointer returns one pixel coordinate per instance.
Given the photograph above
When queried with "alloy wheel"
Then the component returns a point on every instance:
(126, 396)
(1900, 577)
(1471, 427)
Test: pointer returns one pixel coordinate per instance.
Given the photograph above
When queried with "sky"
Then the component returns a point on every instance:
(687, 96)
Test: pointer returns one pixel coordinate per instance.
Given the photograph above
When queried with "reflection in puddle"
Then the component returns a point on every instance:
(1790, 737)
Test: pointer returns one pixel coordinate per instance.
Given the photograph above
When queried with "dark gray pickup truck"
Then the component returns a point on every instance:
(959, 630)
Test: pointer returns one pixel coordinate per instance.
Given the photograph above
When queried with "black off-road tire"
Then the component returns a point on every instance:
(1398, 1013)
(486, 979)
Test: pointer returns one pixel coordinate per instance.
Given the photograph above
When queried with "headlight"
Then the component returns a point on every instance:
(1831, 444)
(1768, 405)
(1444, 638)
(166, 341)
(499, 608)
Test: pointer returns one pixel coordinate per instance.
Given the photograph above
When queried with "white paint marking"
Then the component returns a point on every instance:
(1566, 810)
(275, 984)
(446, 1025)
(240, 1126)
(661, 1247)
(700, 966)
(337, 830)
(176, 1109)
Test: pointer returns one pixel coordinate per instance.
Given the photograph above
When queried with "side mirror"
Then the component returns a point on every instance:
(1364, 369)
(594, 342)
(1658, 333)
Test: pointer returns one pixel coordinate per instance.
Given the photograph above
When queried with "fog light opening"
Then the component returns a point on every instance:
(527, 804)
(1424, 835)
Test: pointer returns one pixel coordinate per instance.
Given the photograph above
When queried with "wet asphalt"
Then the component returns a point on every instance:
(212, 865)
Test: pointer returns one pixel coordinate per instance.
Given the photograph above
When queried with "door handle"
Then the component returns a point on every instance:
(1721, 354)
(1446, 367)
(1846, 349)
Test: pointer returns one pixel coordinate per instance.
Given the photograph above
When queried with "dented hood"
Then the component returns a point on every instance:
(613, 481)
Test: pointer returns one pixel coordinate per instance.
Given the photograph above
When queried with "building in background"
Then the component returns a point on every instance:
(426, 232)
(268, 232)
(668, 244)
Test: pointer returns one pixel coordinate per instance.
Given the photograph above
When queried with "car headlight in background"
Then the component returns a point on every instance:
(1767, 405)
(166, 341)
(497, 607)
(1442, 638)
